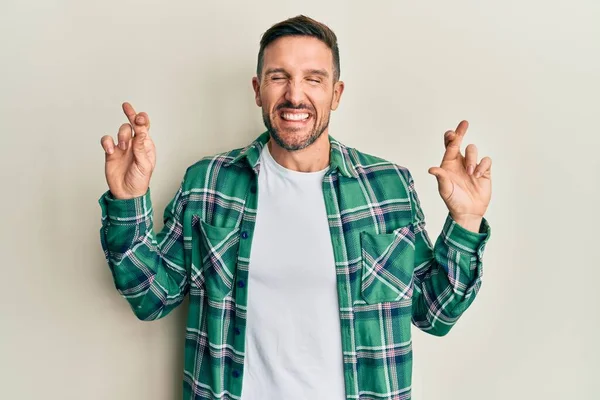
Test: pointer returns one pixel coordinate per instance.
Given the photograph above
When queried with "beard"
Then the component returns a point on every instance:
(318, 127)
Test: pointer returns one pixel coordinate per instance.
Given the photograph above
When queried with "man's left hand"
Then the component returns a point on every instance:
(464, 184)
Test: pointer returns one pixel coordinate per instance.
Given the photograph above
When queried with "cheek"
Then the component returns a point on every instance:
(270, 98)
(322, 101)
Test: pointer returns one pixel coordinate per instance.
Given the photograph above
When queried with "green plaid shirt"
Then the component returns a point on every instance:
(388, 272)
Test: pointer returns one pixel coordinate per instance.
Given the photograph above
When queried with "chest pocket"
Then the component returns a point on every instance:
(214, 256)
(388, 263)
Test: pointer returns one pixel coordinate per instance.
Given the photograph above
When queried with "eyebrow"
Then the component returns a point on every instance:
(320, 72)
(271, 71)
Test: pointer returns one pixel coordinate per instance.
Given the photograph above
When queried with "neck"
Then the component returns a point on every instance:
(311, 159)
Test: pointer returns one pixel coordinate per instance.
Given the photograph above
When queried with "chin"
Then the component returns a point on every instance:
(293, 140)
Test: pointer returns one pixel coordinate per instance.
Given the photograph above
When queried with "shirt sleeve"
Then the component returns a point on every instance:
(448, 275)
(148, 269)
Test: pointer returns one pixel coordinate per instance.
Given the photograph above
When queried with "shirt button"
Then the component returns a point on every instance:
(236, 374)
(237, 331)
(244, 235)
(241, 284)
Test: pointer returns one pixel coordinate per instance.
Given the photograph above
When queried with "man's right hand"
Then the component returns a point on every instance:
(129, 165)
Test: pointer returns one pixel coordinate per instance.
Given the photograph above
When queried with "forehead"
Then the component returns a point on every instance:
(298, 53)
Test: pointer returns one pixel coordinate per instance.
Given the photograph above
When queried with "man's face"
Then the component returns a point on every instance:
(296, 90)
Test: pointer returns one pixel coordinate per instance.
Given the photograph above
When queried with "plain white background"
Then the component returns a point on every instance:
(525, 74)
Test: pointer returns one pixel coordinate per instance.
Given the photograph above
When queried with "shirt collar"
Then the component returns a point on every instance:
(339, 156)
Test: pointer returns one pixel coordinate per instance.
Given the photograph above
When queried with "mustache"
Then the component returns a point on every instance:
(289, 105)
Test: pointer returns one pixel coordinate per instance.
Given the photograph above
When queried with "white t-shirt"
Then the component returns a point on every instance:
(293, 337)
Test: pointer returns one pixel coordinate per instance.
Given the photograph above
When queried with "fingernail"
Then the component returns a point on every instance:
(470, 169)
(110, 150)
(123, 145)
(140, 120)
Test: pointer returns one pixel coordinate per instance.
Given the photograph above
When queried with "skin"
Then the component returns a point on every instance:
(464, 184)
(297, 78)
(129, 166)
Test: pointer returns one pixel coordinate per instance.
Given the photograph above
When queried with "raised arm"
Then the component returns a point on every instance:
(448, 274)
(148, 268)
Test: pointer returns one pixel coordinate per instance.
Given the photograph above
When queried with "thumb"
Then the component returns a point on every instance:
(445, 185)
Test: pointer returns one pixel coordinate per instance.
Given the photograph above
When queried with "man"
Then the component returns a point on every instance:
(305, 260)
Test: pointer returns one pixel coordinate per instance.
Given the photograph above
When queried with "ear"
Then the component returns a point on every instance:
(338, 89)
(256, 86)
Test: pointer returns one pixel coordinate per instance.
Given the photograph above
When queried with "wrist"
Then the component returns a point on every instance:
(118, 195)
(470, 222)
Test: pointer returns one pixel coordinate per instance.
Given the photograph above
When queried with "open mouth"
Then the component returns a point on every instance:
(295, 117)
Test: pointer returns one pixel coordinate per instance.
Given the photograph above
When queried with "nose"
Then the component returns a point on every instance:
(294, 93)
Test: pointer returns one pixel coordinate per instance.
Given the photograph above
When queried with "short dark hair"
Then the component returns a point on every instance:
(301, 26)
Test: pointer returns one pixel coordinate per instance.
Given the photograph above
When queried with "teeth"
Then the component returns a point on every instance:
(294, 116)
